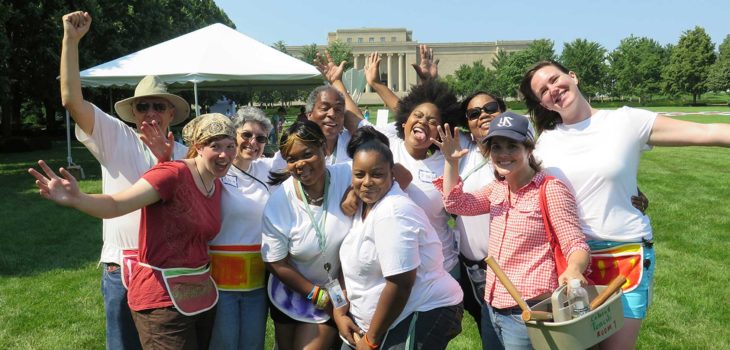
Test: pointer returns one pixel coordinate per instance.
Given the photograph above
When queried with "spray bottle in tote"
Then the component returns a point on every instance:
(579, 303)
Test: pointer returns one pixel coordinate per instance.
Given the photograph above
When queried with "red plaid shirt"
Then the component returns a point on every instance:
(517, 237)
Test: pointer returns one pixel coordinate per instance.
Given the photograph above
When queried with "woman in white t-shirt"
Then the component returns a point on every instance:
(236, 265)
(596, 152)
(392, 263)
(302, 231)
(418, 114)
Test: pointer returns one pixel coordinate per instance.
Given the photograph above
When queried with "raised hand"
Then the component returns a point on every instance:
(76, 25)
(427, 68)
(153, 136)
(328, 68)
(449, 144)
(64, 191)
(372, 68)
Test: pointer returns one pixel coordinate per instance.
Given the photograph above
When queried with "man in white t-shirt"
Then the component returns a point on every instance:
(123, 158)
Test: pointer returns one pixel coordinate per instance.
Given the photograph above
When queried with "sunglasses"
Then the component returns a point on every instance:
(489, 108)
(143, 107)
(247, 135)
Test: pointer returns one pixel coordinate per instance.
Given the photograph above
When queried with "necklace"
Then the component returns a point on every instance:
(313, 200)
(208, 192)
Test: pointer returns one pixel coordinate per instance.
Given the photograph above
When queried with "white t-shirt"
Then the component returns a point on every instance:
(288, 230)
(124, 158)
(340, 153)
(423, 192)
(242, 204)
(476, 172)
(394, 238)
(598, 159)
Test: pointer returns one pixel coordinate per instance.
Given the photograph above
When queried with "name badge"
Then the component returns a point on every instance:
(426, 175)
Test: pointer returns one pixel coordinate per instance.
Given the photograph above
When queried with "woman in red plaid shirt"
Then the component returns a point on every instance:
(517, 235)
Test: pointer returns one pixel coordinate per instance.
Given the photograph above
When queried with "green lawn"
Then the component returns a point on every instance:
(49, 283)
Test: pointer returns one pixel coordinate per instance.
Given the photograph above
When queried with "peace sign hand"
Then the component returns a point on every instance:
(64, 191)
(449, 144)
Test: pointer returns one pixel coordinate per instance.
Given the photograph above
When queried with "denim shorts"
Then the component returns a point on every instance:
(637, 301)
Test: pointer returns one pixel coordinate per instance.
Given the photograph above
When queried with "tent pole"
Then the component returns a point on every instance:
(195, 90)
(68, 140)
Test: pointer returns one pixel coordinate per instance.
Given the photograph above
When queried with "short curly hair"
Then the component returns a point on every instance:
(429, 91)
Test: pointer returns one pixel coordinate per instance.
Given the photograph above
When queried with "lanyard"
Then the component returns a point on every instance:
(319, 228)
(253, 177)
(333, 156)
(475, 169)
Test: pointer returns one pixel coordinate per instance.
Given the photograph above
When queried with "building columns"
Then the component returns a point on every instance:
(401, 72)
(390, 71)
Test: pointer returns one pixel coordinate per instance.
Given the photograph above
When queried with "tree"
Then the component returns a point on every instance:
(468, 79)
(719, 78)
(636, 67)
(689, 64)
(510, 67)
(31, 35)
(309, 53)
(340, 51)
(281, 46)
(588, 60)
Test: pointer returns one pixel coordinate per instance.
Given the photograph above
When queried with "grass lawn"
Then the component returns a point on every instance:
(49, 283)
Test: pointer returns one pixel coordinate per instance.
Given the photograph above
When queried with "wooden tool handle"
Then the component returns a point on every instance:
(612, 287)
(511, 289)
(536, 316)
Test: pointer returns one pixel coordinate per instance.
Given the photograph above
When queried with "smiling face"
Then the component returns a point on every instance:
(217, 155)
(148, 109)
(305, 163)
(421, 126)
(556, 90)
(372, 176)
(509, 157)
(480, 126)
(248, 147)
(329, 113)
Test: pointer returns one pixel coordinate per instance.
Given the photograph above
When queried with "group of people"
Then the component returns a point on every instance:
(343, 236)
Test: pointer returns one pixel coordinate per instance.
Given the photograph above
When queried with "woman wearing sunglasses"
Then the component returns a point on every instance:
(236, 264)
(172, 295)
(302, 231)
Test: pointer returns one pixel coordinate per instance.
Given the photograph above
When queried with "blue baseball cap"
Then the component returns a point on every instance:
(510, 125)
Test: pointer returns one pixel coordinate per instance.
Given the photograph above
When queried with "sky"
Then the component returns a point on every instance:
(602, 21)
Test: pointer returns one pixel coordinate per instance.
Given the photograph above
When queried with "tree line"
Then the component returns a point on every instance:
(638, 68)
(30, 46)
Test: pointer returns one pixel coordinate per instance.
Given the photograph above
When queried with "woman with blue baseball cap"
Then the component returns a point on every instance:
(517, 237)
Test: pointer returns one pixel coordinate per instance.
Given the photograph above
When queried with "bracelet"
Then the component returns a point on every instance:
(313, 293)
(368, 343)
(323, 299)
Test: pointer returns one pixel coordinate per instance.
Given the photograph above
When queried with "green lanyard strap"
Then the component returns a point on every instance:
(319, 227)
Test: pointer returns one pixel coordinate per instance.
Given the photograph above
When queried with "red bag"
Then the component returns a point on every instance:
(560, 262)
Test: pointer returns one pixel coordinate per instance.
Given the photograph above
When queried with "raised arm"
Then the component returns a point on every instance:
(75, 26)
(333, 74)
(452, 151)
(65, 191)
(372, 76)
(427, 68)
(672, 132)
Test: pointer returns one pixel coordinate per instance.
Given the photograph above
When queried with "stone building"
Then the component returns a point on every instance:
(400, 51)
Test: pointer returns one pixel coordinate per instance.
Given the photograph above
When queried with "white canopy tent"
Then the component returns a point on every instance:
(214, 58)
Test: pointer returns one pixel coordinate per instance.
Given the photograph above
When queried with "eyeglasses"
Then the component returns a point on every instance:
(143, 107)
(247, 135)
(489, 108)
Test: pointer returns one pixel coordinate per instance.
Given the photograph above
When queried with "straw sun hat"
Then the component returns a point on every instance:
(152, 86)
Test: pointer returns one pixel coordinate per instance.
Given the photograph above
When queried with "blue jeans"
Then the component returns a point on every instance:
(240, 322)
(120, 330)
(510, 329)
(490, 339)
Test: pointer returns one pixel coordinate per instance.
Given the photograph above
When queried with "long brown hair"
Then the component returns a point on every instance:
(543, 118)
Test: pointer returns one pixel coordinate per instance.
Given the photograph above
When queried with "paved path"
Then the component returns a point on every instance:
(674, 114)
